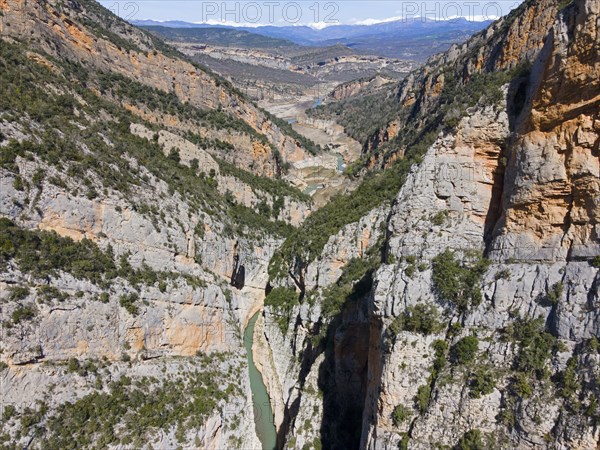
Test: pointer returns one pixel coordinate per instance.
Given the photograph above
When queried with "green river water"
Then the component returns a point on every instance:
(263, 413)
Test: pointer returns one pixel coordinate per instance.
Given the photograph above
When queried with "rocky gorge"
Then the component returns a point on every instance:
(450, 301)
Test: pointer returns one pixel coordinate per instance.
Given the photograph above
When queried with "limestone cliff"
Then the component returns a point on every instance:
(473, 322)
(507, 44)
(91, 35)
(134, 248)
(451, 300)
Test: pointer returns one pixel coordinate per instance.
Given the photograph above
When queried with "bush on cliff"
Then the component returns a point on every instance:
(456, 282)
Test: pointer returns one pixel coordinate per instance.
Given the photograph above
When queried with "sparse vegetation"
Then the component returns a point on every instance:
(400, 414)
(131, 411)
(49, 293)
(481, 382)
(458, 282)
(43, 253)
(98, 153)
(464, 351)
(420, 318)
(282, 300)
(471, 440)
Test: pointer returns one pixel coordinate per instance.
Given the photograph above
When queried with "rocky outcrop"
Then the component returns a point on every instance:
(550, 207)
(508, 43)
(195, 311)
(356, 87)
(446, 203)
(514, 181)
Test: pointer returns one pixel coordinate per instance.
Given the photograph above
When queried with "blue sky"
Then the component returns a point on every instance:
(311, 12)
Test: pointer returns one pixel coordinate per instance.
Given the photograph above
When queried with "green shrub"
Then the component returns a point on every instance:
(174, 155)
(520, 386)
(593, 345)
(420, 318)
(596, 261)
(9, 412)
(464, 351)
(422, 398)
(439, 218)
(456, 282)
(481, 382)
(26, 312)
(403, 444)
(400, 414)
(502, 275)
(471, 440)
(440, 348)
(535, 345)
(19, 184)
(73, 365)
(18, 292)
(128, 301)
(568, 380)
(38, 178)
(554, 293)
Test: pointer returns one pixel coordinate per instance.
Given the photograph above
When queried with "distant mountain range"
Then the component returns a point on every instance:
(408, 39)
(224, 37)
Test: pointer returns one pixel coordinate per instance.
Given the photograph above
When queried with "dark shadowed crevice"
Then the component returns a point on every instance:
(343, 375)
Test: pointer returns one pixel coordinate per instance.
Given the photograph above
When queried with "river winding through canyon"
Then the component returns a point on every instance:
(263, 413)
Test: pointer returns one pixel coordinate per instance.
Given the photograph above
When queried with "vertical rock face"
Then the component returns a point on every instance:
(508, 43)
(129, 268)
(495, 352)
(550, 205)
(548, 200)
